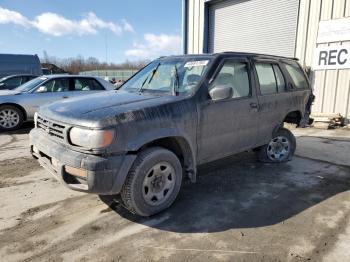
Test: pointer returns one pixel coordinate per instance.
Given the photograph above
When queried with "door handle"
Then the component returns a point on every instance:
(254, 105)
(65, 97)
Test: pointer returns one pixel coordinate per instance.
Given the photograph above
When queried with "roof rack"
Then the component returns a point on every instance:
(257, 54)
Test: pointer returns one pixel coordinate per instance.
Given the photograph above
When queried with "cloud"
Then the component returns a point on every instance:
(57, 25)
(8, 16)
(155, 46)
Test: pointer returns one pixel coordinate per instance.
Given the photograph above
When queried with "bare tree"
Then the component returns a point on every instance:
(74, 65)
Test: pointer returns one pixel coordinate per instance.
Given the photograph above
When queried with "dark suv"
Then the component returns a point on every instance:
(176, 113)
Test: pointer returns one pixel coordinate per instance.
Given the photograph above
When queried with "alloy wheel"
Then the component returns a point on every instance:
(9, 118)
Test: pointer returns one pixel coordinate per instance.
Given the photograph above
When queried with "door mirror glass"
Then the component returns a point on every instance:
(221, 92)
(41, 89)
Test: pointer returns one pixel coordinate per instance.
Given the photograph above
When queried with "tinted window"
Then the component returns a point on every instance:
(86, 84)
(235, 75)
(57, 85)
(267, 80)
(14, 81)
(297, 75)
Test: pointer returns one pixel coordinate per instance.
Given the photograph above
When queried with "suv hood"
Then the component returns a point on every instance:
(98, 110)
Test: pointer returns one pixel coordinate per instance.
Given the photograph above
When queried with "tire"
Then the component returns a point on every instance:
(153, 182)
(281, 147)
(11, 118)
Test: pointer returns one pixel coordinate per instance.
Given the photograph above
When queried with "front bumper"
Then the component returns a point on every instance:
(105, 175)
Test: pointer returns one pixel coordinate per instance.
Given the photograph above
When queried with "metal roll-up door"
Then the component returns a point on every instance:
(259, 26)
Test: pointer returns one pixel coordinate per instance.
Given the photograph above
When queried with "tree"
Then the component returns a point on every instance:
(75, 65)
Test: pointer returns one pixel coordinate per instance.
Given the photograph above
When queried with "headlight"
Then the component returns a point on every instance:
(90, 138)
(35, 119)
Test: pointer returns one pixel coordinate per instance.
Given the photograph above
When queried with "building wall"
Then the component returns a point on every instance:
(331, 87)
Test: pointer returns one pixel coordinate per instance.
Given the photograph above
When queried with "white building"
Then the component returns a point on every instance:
(317, 32)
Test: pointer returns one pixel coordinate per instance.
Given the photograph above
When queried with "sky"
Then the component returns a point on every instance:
(130, 29)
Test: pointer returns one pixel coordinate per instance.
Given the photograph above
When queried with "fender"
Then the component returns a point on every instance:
(188, 150)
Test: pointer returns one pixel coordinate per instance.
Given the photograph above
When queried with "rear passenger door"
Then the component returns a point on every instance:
(230, 125)
(273, 96)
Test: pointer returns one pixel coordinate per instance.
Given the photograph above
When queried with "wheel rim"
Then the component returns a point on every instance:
(158, 184)
(278, 149)
(9, 118)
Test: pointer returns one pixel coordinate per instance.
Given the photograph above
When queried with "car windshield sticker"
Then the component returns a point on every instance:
(196, 63)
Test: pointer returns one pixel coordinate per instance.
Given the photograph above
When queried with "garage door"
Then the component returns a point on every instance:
(259, 26)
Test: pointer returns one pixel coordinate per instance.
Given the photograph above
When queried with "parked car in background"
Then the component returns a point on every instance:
(176, 113)
(20, 104)
(13, 81)
(11, 64)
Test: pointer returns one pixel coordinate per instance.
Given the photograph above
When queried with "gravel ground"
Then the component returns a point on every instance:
(240, 210)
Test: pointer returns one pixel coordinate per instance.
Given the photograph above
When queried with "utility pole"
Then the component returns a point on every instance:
(106, 45)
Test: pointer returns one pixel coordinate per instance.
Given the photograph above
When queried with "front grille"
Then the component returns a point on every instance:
(50, 127)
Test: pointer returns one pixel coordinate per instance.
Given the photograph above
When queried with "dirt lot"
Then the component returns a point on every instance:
(240, 210)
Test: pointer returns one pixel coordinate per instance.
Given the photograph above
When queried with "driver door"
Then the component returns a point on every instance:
(229, 125)
(50, 91)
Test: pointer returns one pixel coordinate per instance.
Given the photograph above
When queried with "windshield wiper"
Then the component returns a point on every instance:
(152, 75)
(176, 82)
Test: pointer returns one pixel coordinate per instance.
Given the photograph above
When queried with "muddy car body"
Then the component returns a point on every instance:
(175, 114)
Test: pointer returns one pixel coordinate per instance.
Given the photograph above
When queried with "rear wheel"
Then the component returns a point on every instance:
(281, 147)
(153, 182)
(11, 118)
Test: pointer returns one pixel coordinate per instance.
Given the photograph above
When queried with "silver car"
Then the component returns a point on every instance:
(20, 104)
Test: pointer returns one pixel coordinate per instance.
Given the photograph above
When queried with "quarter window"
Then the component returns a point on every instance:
(271, 79)
(297, 75)
(235, 75)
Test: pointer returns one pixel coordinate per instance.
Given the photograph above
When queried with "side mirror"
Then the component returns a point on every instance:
(221, 92)
(41, 89)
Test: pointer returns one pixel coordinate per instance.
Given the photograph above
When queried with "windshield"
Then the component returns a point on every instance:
(31, 84)
(177, 75)
(3, 79)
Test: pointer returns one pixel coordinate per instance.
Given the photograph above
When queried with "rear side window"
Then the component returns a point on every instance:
(86, 84)
(297, 75)
(270, 77)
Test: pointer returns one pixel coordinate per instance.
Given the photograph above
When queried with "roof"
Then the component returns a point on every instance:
(10, 76)
(244, 54)
(69, 76)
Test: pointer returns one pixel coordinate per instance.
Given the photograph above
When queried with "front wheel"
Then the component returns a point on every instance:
(11, 118)
(281, 147)
(153, 182)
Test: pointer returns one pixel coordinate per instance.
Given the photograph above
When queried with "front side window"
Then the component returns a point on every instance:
(297, 75)
(181, 75)
(55, 85)
(235, 75)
